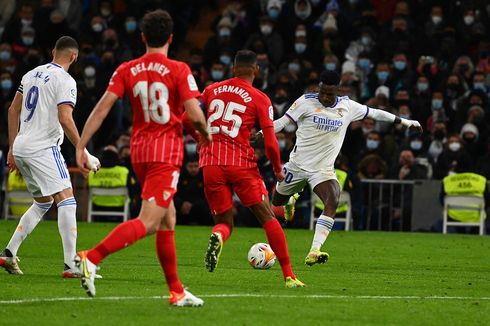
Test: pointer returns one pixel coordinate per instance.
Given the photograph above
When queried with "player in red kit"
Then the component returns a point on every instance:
(229, 162)
(157, 87)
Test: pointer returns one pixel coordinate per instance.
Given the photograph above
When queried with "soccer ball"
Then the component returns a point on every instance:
(261, 256)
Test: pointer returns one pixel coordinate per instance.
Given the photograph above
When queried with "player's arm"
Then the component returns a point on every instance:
(93, 124)
(13, 127)
(65, 116)
(381, 115)
(265, 116)
(197, 119)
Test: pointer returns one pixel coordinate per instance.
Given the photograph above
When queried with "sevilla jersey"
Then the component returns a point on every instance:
(233, 106)
(157, 86)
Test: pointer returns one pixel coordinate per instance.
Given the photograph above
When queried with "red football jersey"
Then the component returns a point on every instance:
(157, 86)
(233, 106)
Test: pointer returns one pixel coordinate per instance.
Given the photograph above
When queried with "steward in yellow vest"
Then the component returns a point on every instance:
(342, 178)
(468, 184)
(18, 206)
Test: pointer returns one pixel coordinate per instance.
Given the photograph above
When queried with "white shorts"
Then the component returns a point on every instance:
(46, 173)
(295, 179)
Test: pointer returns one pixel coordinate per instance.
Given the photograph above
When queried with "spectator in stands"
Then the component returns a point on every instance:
(190, 202)
(421, 99)
(223, 40)
(470, 136)
(271, 38)
(437, 140)
(453, 154)
(7, 61)
(7, 8)
(408, 168)
(13, 29)
(437, 108)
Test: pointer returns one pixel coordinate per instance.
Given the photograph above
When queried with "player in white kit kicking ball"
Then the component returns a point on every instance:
(43, 106)
(322, 119)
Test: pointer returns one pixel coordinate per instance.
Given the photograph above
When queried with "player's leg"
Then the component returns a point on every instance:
(219, 196)
(328, 191)
(67, 227)
(167, 256)
(27, 223)
(286, 193)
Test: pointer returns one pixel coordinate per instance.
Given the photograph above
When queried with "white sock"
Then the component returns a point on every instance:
(67, 226)
(27, 223)
(323, 227)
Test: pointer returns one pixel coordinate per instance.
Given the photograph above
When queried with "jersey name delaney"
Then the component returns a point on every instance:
(151, 66)
(326, 124)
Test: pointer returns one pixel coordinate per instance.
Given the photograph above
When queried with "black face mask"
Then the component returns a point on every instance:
(439, 134)
(33, 60)
(280, 99)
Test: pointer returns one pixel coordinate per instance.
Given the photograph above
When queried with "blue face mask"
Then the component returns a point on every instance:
(480, 86)
(131, 26)
(191, 148)
(422, 87)
(382, 75)
(225, 59)
(400, 65)
(282, 144)
(273, 13)
(372, 144)
(293, 66)
(330, 66)
(224, 32)
(416, 145)
(300, 47)
(4, 55)
(404, 116)
(437, 104)
(6, 84)
(365, 40)
(217, 74)
(364, 63)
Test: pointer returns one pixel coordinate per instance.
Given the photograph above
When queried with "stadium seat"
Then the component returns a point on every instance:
(463, 203)
(120, 191)
(344, 198)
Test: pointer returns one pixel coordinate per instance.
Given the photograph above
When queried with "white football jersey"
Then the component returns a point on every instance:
(321, 130)
(43, 89)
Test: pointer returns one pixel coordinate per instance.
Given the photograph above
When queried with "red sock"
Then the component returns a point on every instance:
(277, 241)
(168, 259)
(123, 235)
(278, 211)
(223, 229)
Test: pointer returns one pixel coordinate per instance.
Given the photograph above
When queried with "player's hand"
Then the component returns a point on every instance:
(11, 163)
(207, 138)
(82, 161)
(259, 135)
(412, 125)
(279, 176)
(93, 162)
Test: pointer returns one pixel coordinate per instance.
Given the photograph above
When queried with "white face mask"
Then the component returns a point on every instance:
(97, 27)
(436, 20)
(454, 147)
(191, 148)
(266, 29)
(468, 20)
(89, 71)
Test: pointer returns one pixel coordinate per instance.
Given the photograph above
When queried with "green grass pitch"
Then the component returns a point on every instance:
(372, 278)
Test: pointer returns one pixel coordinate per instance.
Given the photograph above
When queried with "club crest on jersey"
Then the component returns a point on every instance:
(166, 195)
(339, 112)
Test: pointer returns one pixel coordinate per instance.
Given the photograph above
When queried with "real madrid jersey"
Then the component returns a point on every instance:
(43, 89)
(321, 130)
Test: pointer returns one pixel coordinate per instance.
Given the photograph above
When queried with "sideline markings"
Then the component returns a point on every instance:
(245, 295)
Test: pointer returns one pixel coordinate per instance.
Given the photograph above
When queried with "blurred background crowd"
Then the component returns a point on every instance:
(420, 59)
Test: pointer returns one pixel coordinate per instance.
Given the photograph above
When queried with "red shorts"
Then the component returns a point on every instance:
(158, 181)
(221, 180)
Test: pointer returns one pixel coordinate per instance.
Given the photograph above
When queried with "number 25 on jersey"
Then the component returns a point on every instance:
(219, 111)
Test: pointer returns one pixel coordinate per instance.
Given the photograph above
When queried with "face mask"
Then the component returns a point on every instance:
(28, 40)
(293, 66)
(372, 144)
(365, 40)
(366, 131)
(302, 14)
(315, 2)
(416, 145)
(480, 86)
(280, 99)
(330, 66)
(191, 148)
(217, 74)
(405, 116)
(382, 75)
(273, 13)
(4, 55)
(454, 147)
(439, 134)
(266, 29)
(89, 71)
(225, 59)
(468, 20)
(422, 87)
(400, 65)
(300, 33)
(97, 27)
(364, 63)
(282, 144)
(105, 12)
(224, 32)
(131, 26)
(436, 20)
(353, 2)
(26, 22)
(469, 139)
(300, 47)
(6, 84)
(436, 104)
(435, 149)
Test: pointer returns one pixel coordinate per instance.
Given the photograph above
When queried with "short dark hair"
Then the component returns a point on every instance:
(157, 26)
(329, 78)
(65, 43)
(245, 58)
